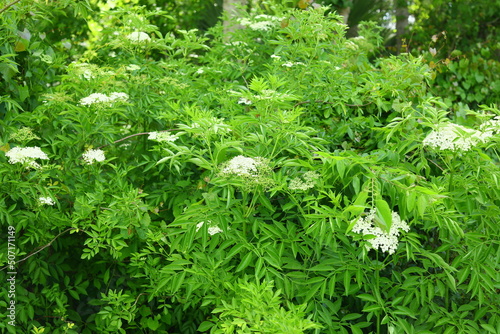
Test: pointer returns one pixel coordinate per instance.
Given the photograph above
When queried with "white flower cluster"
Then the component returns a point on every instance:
(211, 229)
(26, 155)
(291, 64)
(254, 172)
(133, 67)
(243, 100)
(388, 242)
(93, 155)
(162, 136)
(260, 22)
(243, 166)
(236, 43)
(46, 200)
(138, 37)
(455, 137)
(103, 98)
(306, 182)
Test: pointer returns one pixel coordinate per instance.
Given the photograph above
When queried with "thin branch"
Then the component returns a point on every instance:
(358, 105)
(134, 135)
(326, 102)
(42, 248)
(137, 299)
(8, 6)
(435, 163)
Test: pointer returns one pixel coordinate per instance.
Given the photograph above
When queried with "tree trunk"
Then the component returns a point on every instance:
(401, 9)
(230, 7)
(345, 13)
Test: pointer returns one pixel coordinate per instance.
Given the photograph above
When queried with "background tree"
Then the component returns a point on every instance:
(460, 39)
(401, 13)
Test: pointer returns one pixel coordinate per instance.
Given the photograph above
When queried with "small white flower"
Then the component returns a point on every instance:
(288, 64)
(491, 126)
(46, 200)
(132, 67)
(236, 43)
(432, 51)
(200, 71)
(214, 230)
(211, 229)
(243, 100)
(125, 128)
(87, 74)
(138, 36)
(66, 44)
(26, 155)
(93, 155)
(275, 57)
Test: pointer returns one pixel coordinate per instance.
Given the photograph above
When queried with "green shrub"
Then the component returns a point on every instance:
(274, 181)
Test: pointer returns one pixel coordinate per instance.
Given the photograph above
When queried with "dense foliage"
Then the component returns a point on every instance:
(277, 180)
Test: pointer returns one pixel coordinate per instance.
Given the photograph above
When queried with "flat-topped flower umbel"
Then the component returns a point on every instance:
(93, 155)
(99, 98)
(139, 36)
(388, 242)
(455, 137)
(26, 155)
(253, 172)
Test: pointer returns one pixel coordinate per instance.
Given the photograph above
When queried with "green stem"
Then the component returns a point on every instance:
(446, 236)
(250, 207)
(377, 286)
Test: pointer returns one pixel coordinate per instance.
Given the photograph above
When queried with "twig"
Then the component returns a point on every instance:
(8, 6)
(358, 105)
(47, 245)
(435, 163)
(326, 102)
(134, 135)
(137, 299)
